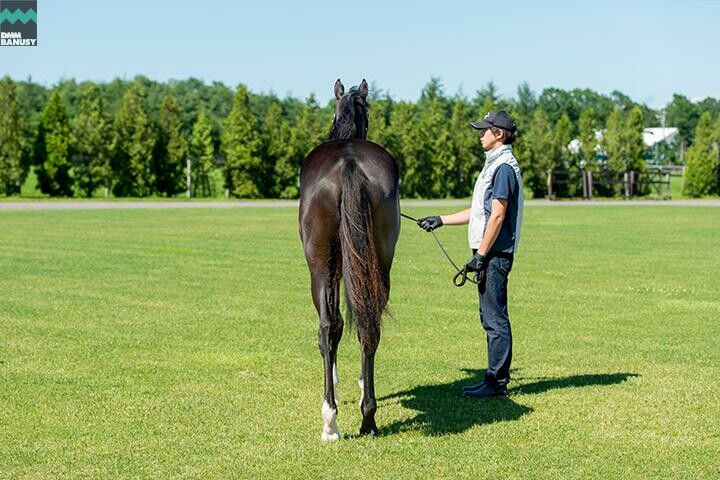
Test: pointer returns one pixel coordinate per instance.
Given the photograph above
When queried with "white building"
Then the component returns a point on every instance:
(651, 136)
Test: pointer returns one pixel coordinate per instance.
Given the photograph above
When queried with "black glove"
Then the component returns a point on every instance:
(430, 223)
(476, 263)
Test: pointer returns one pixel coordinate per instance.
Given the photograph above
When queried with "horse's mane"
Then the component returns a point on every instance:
(345, 125)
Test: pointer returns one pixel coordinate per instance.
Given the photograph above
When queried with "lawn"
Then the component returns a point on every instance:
(182, 344)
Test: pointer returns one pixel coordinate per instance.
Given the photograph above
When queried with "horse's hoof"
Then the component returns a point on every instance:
(369, 431)
(329, 437)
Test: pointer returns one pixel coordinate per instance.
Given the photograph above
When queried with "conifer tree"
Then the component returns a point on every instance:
(465, 163)
(526, 102)
(613, 142)
(53, 151)
(433, 155)
(588, 139)
(133, 146)
(171, 150)
(702, 160)
(312, 128)
(202, 153)
(13, 145)
(634, 144)
(564, 159)
(540, 145)
(379, 114)
(404, 144)
(240, 146)
(716, 137)
(433, 142)
(91, 139)
(280, 164)
(563, 137)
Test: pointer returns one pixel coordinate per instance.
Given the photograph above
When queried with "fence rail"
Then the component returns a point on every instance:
(656, 179)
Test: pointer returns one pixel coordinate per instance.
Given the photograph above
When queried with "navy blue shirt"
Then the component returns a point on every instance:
(504, 186)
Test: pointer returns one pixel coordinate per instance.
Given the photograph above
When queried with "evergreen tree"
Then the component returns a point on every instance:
(13, 145)
(312, 129)
(540, 146)
(133, 146)
(279, 157)
(488, 98)
(91, 139)
(53, 151)
(683, 114)
(522, 111)
(588, 139)
(613, 143)
(564, 159)
(563, 137)
(202, 153)
(404, 144)
(634, 144)
(240, 146)
(717, 144)
(434, 151)
(702, 160)
(379, 114)
(526, 103)
(171, 150)
(465, 165)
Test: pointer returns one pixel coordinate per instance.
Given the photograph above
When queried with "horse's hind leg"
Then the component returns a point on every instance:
(368, 404)
(325, 289)
(387, 229)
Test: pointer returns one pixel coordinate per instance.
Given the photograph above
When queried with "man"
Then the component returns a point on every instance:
(494, 221)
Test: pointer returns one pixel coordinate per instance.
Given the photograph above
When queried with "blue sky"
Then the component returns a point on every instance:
(646, 49)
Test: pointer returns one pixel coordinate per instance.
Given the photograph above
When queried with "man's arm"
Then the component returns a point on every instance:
(457, 218)
(494, 223)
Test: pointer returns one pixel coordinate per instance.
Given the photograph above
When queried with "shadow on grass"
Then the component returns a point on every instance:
(442, 410)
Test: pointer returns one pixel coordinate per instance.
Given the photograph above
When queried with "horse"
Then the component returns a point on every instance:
(349, 222)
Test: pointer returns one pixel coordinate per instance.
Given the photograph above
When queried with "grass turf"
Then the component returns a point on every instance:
(182, 343)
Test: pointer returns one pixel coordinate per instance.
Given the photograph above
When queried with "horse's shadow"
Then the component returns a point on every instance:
(442, 410)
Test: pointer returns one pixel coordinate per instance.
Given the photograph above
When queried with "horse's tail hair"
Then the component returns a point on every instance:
(366, 289)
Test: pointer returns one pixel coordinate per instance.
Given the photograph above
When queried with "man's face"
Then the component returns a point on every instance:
(489, 140)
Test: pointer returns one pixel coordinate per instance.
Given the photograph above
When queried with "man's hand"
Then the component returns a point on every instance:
(430, 223)
(476, 263)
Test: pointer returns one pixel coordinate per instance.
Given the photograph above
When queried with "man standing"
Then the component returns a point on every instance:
(494, 221)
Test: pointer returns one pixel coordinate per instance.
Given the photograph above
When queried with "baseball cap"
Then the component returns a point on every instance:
(496, 118)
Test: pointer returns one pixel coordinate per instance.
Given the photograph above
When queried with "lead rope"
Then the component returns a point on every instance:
(461, 273)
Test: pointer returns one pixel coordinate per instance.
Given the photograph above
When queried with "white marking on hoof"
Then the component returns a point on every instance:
(336, 380)
(362, 390)
(330, 430)
(329, 438)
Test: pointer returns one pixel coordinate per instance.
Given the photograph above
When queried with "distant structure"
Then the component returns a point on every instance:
(652, 137)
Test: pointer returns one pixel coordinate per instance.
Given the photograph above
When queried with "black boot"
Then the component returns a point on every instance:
(486, 391)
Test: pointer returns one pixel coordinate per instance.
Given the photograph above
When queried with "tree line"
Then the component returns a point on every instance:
(140, 137)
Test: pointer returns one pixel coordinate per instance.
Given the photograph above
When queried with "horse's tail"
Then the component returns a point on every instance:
(366, 289)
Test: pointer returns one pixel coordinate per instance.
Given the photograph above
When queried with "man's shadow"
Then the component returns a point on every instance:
(442, 410)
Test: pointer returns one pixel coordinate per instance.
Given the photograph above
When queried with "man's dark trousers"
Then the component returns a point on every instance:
(495, 320)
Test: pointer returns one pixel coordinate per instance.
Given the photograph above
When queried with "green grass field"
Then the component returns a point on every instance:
(182, 344)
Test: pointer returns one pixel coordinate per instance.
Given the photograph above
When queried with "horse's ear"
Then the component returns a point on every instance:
(363, 90)
(339, 89)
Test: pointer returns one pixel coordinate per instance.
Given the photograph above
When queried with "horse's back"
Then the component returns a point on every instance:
(321, 189)
(324, 165)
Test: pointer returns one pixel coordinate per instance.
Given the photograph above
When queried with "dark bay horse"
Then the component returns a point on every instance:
(349, 225)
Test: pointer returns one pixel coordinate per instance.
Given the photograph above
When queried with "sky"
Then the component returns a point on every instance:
(645, 49)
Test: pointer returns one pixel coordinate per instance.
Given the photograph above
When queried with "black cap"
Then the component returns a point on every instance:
(496, 118)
